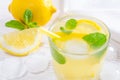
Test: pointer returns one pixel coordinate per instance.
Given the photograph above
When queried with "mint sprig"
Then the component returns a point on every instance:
(65, 31)
(70, 25)
(26, 23)
(15, 24)
(58, 56)
(32, 24)
(27, 16)
(95, 40)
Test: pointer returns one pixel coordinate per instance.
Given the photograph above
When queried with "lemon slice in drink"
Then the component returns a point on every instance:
(21, 43)
(87, 26)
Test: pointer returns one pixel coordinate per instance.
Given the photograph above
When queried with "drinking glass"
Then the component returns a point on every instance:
(69, 65)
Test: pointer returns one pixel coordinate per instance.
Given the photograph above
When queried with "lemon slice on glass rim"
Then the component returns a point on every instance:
(21, 43)
(87, 26)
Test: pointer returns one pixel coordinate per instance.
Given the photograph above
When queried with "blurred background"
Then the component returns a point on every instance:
(106, 10)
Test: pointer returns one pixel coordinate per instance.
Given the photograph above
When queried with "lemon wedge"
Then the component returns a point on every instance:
(21, 43)
(87, 26)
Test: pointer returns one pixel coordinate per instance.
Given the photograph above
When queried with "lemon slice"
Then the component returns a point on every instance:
(87, 26)
(21, 43)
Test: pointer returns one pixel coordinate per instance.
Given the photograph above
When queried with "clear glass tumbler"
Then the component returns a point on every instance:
(73, 65)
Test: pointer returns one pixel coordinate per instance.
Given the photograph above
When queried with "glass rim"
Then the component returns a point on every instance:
(87, 17)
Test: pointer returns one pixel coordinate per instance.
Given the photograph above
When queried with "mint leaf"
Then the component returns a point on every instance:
(65, 31)
(15, 24)
(71, 24)
(27, 16)
(58, 56)
(95, 40)
(32, 24)
(27, 21)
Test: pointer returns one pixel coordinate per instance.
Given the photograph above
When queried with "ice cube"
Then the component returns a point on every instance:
(76, 46)
(12, 68)
(37, 63)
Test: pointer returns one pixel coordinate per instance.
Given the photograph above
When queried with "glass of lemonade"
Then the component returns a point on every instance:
(79, 54)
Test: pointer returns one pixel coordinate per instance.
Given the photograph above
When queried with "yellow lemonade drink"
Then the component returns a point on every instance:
(79, 54)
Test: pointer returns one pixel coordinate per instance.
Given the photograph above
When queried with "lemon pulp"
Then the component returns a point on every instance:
(21, 43)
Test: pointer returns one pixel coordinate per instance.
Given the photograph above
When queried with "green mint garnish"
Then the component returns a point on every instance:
(27, 21)
(95, 40)
(32, 24)
(70, 25)
(58, 56)
(15, 24)
(27, 16)
(65, 31)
